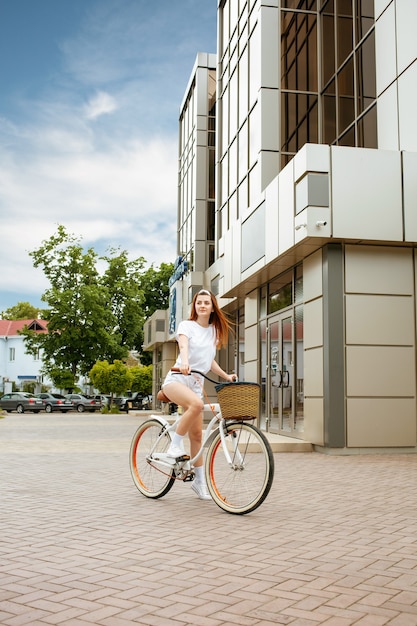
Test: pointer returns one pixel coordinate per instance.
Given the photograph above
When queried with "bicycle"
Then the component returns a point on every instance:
(239, 464)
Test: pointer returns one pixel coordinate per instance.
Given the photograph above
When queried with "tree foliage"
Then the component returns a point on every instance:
(93, 316)
(62, 379)
(111, 379)
(142, 379)
(21, 311)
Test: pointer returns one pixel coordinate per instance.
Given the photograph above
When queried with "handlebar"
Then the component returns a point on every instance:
(176, 370)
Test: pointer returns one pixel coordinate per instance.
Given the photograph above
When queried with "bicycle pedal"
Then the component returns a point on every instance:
(189, 478)
(181, 459)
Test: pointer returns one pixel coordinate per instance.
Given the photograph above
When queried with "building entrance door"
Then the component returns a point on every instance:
(280, 375)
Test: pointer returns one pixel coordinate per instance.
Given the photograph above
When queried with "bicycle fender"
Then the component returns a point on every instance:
(160, 419)
(216, 432)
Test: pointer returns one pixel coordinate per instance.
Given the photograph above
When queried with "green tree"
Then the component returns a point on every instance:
(81, 326)
(21, 311)
(156, 289)
(156, 297)
(142, 379)
(111, 379)
(93, 316)
(125, 287)
(62, 379)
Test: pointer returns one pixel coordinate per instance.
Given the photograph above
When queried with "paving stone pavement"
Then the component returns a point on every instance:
(335, 542)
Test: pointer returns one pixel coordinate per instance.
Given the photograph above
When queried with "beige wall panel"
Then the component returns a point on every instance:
(251, 371)
(313, 324)
(380, 371)
(381, 5)
(406, 108)
(269, 100)
(286, 208)
(271, 219)
(313, 372)
(268, 19)
(251, 343)
(366, 194)
(374, 269)
(388, 131)
(201, 173)
(381, 423)
(406, 19)
(385, 45)
(269, 162)
(314, 421)
(313, 276)
(380, 320)
(410, 195)
(311, 158)
(251, 308)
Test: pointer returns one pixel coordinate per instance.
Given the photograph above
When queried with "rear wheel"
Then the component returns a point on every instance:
(152, 479)
(241, 486)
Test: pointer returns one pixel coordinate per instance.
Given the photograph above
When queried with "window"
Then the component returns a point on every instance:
(280, 293)
(328, 74)
(12, 354)
(160, 326)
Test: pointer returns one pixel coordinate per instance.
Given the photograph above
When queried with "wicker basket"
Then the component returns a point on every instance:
(239, 400)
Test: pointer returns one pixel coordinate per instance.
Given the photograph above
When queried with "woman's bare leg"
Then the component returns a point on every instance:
(191, 421)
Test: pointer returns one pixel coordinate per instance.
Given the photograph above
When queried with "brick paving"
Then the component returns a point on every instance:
(335, 543)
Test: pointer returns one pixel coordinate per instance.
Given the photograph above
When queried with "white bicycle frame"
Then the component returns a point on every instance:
(217, 423)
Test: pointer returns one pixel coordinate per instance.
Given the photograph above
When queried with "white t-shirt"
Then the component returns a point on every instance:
(201, 345)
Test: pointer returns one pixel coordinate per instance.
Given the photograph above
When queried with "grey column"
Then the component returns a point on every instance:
(333, 347)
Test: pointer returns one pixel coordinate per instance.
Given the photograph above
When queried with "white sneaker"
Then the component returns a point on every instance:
(201, 490)
(175, 452)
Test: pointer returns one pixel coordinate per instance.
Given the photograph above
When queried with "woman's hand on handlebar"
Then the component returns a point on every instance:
(185, 369)
(231, 378)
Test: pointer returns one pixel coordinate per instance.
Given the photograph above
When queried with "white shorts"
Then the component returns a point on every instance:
(193, 382)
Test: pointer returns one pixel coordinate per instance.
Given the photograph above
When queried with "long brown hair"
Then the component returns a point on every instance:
(219, 320)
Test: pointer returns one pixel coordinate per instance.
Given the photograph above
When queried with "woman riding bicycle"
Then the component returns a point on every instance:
(206, 330)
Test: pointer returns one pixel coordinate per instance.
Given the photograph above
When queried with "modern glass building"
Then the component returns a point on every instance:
(312, 249)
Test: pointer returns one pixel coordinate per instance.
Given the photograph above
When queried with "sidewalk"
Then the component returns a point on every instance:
(335, 542)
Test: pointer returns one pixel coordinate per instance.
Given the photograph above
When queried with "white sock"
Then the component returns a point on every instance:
(199, 474)
(177, 440)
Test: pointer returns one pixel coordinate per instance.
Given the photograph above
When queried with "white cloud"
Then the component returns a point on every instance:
(96, 147)
(124, 197)
(101, 104)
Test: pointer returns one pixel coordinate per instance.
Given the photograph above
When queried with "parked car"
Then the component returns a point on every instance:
(135, 401)
(82, 403)
(102, 398)
(21, 401)
(55, 402)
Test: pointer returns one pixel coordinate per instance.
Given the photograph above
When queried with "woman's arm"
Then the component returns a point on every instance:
(217, 370)
(183, 348)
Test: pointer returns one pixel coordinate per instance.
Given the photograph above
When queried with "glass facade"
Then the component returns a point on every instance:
(187, 158)
(196, 210)
(238, 85)
(328, 89)
(281, 353)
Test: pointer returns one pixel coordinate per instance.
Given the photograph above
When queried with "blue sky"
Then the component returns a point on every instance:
(90, 92)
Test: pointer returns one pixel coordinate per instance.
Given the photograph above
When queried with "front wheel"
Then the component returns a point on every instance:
(48, 408)
(80, 408)
(20, 408)
(152, 479)
(242, 485)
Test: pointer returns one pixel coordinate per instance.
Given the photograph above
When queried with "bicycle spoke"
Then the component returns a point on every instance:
(151, 479)
(240, 487)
